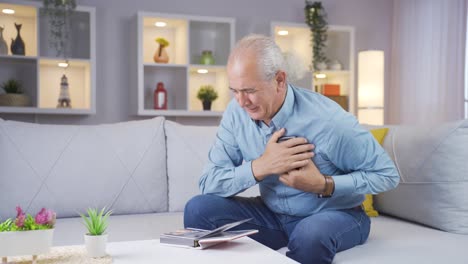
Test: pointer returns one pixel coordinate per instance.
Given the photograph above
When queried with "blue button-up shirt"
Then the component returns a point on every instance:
(343, 150)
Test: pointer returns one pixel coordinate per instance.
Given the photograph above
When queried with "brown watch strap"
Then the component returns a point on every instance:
(329, 188)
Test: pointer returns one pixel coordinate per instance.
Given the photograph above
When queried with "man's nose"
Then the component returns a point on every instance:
(241, 99)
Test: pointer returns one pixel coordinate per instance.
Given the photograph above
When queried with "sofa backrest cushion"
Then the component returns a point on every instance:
(433, 166)
(187, 154)
(69, 168)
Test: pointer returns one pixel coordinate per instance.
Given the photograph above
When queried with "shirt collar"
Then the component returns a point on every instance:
(286, 110)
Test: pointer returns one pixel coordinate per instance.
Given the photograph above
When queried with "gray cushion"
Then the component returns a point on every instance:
(69, 168)
(187, 153)
(433, 165)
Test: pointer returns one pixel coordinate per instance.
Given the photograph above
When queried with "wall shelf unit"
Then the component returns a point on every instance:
(188, 36)
(38, 70)
(340, 47)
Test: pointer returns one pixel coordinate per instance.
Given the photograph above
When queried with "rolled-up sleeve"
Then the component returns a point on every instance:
(225, 174)
(368, 168)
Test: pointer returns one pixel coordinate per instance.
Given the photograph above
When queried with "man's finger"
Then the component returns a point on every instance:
(284, 179)
(277, 135)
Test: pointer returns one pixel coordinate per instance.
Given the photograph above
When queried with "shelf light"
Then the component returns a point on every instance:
(160, 24)
(8, 11)
(202, 71)
(63, 64)
(283, 32)
(320, 76)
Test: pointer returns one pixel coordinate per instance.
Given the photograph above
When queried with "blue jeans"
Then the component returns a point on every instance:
(311, 239)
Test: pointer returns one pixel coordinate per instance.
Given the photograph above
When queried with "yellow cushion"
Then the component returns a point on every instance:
(368, 204)
(379, 134)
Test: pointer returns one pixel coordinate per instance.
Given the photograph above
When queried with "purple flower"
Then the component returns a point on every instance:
(20, 217)
(45, 217)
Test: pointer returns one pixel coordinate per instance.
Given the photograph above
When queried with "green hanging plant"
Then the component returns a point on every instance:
(316, 19)
(59, 14)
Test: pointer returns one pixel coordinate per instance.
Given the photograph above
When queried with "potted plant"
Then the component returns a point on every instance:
(59, 20)
(207, 94)
(316, 19)
(96, 224)
(161, 54)
(27, 235)
(13, 95)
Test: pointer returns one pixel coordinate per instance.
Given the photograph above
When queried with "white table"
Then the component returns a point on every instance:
(239, 251)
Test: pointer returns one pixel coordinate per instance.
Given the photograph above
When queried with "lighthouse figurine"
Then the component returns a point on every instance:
(64, 97)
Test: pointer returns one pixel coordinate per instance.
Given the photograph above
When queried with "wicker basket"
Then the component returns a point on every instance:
(14, 100)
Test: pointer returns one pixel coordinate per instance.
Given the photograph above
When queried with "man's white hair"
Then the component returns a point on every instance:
(270, 58)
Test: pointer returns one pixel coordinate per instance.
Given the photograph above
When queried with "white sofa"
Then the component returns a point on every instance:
(147, 170)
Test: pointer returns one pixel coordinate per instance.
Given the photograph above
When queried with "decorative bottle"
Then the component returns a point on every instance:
(3, 44)
(160, 97)
(17, 45)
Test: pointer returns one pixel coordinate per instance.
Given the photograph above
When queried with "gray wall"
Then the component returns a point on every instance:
(372, 20)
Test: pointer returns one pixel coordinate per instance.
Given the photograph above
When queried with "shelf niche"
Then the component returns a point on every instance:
(188, 36)
(78, 75)
(38, 71)
(340, 46)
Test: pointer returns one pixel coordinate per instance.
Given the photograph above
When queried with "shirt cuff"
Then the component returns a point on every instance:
(244, 175)
(344, 184)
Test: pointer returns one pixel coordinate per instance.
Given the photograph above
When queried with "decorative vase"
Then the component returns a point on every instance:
(3, 44)
(20, 243)
(96, 245)
(206, 105)
(160, 55)
(207, 58)
(17, 45)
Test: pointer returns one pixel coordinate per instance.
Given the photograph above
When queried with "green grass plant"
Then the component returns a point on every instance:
(96, 221)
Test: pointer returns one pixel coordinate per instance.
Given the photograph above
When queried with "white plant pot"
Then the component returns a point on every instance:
(321, 66)
(21, 243)
(96, 245)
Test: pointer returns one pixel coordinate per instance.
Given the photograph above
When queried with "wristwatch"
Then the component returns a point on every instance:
(329, 188)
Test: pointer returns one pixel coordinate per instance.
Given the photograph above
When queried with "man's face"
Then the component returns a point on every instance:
(259, 98)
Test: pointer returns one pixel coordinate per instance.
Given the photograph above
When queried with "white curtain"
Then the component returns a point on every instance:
(427, 61)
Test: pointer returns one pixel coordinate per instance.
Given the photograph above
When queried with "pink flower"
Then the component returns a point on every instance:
(20, 217)
(45, 217)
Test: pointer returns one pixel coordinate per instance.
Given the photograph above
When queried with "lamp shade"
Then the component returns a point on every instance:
(371, 87)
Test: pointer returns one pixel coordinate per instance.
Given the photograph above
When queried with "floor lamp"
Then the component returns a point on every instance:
(371, 87)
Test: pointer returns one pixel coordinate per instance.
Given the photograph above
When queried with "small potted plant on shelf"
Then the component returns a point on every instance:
(27, 235)
(161, 54)
(96, 223)
(13, 94)
(207, 94)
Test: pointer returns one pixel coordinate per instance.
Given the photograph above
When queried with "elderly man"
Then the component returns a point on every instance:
(312, 160)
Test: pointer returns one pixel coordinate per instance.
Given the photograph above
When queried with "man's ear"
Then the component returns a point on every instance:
(281, 79)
